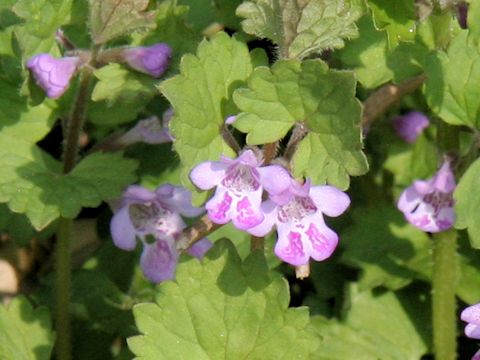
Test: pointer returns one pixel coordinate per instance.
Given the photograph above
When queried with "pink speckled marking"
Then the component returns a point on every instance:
(318, 240)
(219, 213)
(422, 221)
(246, 216)
(295, 248)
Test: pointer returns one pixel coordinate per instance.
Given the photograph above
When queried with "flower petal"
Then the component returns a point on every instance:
(246, 210)
(471, 314)
(476, 356)
(249, 158)
(290, 247)
(179, 199)
(220, 206)
(329, 200)
(274, 178)
(158, 260)
(135, 194)
(409, 199)
(208, 174)
(269, 210)
(323, 240)
(444, 180)
(199, 248)
(472, 331)
(122, 230)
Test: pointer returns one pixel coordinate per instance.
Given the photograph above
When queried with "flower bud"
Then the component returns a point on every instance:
(51, 74)
(152, 60)
(409, 126)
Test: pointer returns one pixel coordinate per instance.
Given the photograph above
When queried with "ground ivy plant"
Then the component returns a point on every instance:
(227, 179)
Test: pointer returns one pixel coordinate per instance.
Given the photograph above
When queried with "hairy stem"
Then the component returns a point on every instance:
(443, 295)
(196, 232)
(269, 152)
(75, 124)
(63, 256)
(230, 140)
(385, 97)
(298, 133)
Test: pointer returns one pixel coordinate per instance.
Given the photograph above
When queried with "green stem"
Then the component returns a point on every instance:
(443, 295)
(75, 124)
(63, 289)
(63, 260)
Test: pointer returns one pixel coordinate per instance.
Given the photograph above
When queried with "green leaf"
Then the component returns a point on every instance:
(397, 18)
(389, 251)
(387, 326)
(452, 82)
(112, 18)
(31, 182)
(472, 19)
(25, 333)
(321, 99)
(408, 163)
(120, 94)
(467, 203)
(117, 84)
(367, 55)
(42, 19)
(223, 308)
(201, 98)
(301, 28)
(375, 64)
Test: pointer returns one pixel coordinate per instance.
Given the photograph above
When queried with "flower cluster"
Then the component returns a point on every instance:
(142, 213)
(295, 209)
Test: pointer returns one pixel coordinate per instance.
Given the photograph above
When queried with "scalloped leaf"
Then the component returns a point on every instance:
(301, 27)
(323, 100)
(25, 333)
(112, 18)
(223, 309)
(201, 97)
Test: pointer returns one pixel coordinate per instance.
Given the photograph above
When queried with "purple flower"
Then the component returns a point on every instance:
(410, 125)
(51, 74)
(141, 213)
(476, 356)
(240, 183)
(152, 60)
(471, 315)
(148, 130)
(297, 214)
(428, 204)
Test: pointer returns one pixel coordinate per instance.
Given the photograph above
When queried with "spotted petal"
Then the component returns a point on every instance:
(220, 206)
(246, 209)
(122, 230)
(158, 260)
(269, 210)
